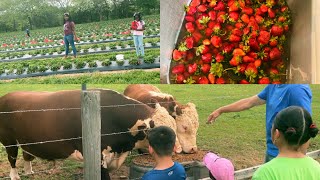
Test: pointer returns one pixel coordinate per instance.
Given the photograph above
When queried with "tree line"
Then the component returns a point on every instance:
(17, 15)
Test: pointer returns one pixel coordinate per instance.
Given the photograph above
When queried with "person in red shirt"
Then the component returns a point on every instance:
(137, 27)
(69, 35)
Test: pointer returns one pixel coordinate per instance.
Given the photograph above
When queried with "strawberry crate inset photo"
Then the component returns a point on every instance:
(237, 42)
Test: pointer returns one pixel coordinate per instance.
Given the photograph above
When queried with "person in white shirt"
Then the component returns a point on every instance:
(137, 27)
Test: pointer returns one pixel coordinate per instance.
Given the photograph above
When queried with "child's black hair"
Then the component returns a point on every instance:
(162, 139)
(295, 123)
(137, 14)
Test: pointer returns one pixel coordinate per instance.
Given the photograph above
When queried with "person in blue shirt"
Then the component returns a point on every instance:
(276, 98)
(161, 146)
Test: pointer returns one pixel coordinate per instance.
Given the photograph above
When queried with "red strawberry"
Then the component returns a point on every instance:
(247, 10)
(219, 58)
(242, 3)
(284, 8)
(245, 18)
(257, 63)
(208, 32)
(276, 30)
(233, 16)
(190, 18)
(178, 69)
(264, 80)
(243, 81)
(192, 68)
(197, 36)
(271, 13)
(216, 41)
(264, 8)
(246, 30)
(202, 8)
(190, 27)
(286, 28)
(248, 59)
(176, 55)
(205, 68)
(276, 82)
(191, 10)
(253, 43)
(211, 78)
(251, 72)
(220, 80)
(221, 17)
(202, 50)
(238, 52)
(282, 19)
(190, 56)
(239, 25)
(220, 6)
(241, 68)
(189, 42)
(186, 75)
(275, 54)
(206, 58)
(228, 48)
(217, 28)
(264, 37)
(234, 38)
(180, 79)
(212, 3)
(253, 55)
(212, 15)
(273, 41)
(235, 61)
(259, 19)
(233, 5)
(259, 12)
(206, 42)
(237, 32)
(274, 73)
(195, 3)
(203, 80)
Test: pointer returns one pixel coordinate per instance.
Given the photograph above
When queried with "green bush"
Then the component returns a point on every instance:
(113, 58)
(43, 68)
(92, 64)
(120, 62)
(80, 64)
(67, 65)
(55, 67)
(32, 68)
(134, 61)
(106, 62)
(149, 59)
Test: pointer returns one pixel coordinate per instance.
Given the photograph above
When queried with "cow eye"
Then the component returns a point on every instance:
(185, 128)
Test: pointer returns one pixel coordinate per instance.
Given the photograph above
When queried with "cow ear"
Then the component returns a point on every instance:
(178, 110)
(153, 102)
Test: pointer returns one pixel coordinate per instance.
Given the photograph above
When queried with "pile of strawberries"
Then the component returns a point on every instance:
(233, 41)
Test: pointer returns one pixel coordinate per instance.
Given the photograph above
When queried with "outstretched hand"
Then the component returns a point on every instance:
(213, 116)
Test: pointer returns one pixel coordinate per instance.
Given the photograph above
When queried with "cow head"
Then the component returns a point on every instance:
(165, 100)
(160, 117)
(187, 127)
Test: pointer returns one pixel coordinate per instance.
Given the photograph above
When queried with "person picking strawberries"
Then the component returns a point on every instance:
(137, 27)
(276, 98)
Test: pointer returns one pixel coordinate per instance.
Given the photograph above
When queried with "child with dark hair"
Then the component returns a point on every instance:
(291, 133)
(69, 35)
(162, 140)
(138, 26)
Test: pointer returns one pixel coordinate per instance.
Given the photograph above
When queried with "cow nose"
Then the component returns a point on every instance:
(194, 150)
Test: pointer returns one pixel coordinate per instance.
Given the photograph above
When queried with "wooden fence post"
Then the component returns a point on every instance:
(91, 134)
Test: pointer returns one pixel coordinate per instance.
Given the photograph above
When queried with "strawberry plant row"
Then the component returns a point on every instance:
(116, 29)
(149, 42)
(83, 64)
(60, 44)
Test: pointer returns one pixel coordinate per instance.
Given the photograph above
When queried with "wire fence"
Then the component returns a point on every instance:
(102, 135)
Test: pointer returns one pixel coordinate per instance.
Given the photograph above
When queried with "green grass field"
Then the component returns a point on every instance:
(237, 136)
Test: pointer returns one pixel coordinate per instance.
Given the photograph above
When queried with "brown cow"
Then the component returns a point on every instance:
(186, 116)
(39, 126)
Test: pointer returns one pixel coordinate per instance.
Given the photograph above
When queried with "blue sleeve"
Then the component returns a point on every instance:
(264, 93)
(301, 96)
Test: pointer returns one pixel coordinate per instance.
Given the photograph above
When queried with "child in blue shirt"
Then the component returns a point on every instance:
(162, 140)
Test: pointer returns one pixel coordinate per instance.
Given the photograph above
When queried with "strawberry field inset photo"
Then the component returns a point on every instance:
(237, 42)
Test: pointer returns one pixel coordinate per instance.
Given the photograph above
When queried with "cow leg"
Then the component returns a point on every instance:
(118, 161)
(27, 162)
(12, 157)
(105, 174)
